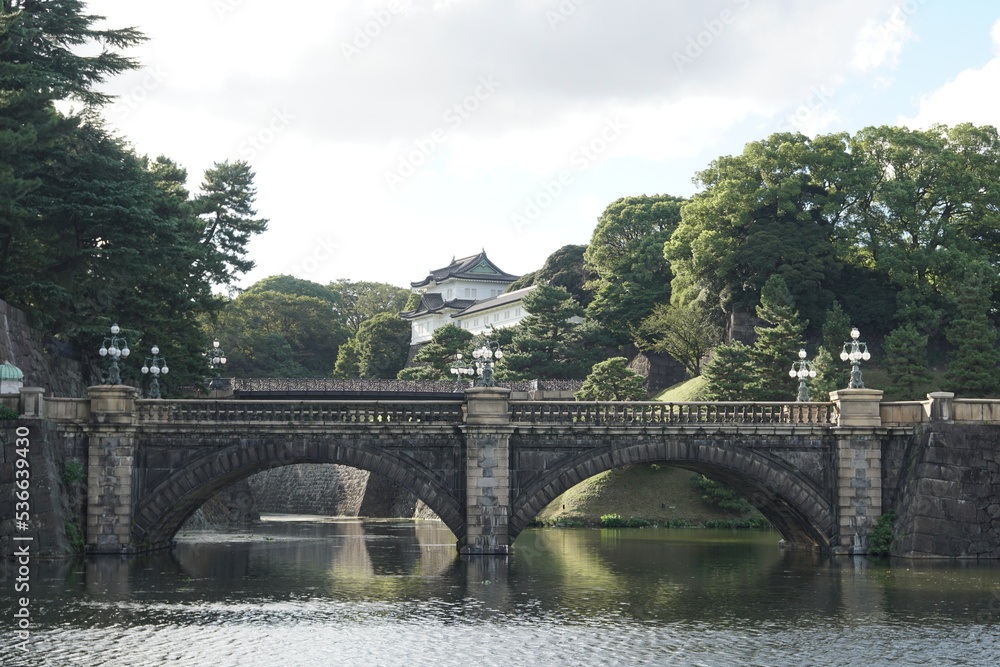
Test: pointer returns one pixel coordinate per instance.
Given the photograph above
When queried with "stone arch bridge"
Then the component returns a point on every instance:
(486, 465)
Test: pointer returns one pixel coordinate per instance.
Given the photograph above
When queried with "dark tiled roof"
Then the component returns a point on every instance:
(434, 303)
(495, 302)
(476, 267)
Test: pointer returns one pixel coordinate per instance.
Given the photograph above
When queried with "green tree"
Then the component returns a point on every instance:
(225, 205)
(685, 332)
(626, 254)
(836, 327)
(434, 359)
(905, 351)
(348, 360)
(777, 346)
(48, 53)
(293, 286)
(973, 367)
(361, 301)
(829, 376)
(612, 380)
(383, 343)
(307, 324)
(730, 373)
(770, 211)
(564, 268)
(547, 344)
(263, 354)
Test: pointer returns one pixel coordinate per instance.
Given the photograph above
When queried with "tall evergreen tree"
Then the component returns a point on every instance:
(777, 346)
(626, 253)
(547, 343)
(974, 369)
(905, 351)
(730, 373)
(433, 361)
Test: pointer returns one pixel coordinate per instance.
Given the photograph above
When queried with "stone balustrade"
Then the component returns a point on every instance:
(298, 412)
(649, 412)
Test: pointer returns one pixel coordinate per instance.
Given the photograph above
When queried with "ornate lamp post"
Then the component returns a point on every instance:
(216, 360)
(114, 347)
(802, 370)
(855, 352)
(155, 366)
(485, 356)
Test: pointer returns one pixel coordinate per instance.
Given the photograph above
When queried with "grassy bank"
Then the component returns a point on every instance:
(658, 494)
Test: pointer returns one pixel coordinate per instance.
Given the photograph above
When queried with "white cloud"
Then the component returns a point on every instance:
(366, 83)
(880, 44)
(973, 96)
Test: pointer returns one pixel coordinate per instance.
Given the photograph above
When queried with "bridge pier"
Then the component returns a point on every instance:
(487, 472)
(858, 468)
(111, 457)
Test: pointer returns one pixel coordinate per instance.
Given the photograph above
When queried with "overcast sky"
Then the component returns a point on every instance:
(389, 136)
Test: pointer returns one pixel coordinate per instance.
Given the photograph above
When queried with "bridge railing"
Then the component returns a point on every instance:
(298, 412)
(719, 412)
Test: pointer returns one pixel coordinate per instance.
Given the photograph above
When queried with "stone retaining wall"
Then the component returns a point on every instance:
(948, 498)
(45, 361)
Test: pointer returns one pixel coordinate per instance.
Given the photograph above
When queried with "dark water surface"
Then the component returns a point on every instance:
(311, 592)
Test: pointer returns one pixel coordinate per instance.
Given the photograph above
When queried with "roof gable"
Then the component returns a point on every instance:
(476, 267)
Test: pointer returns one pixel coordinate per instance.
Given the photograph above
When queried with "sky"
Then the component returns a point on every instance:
(389, 136)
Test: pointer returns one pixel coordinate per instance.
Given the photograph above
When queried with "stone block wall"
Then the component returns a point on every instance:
(948, 494)
(331, 490)
(57, 499)
(46, 362)
(234, 505)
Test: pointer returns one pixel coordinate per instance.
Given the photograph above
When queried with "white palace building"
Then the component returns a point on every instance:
(469, 293)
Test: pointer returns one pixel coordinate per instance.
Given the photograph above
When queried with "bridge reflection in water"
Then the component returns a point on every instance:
(396, 593)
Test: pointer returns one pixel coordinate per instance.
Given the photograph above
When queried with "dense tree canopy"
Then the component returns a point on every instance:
(771, 210)
(361, 301)
(297, 319)
(626, 254)
(382, 345)
(564, 268)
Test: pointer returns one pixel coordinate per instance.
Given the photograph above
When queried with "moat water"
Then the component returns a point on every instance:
(298, 591)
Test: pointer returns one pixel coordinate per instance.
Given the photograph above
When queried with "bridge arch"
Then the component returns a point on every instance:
(161, 511)
(793, 503)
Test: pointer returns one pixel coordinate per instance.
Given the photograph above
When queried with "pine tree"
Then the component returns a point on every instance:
(831, 374)
(434, 359)
(730, 373)
(973, 369)
(905, 351)
(777, 346)
(547, 343)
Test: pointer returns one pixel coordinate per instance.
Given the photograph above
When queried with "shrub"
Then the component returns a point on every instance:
(612, 521)
(73, 472)
(75, 537)
(633, 522)
(717, 493)
(880, 536)
(7, 412)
